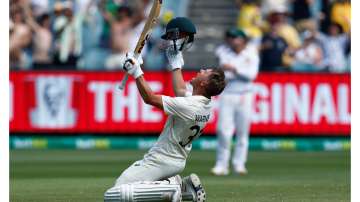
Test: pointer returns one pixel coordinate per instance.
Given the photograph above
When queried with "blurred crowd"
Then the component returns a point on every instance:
(80, 34)
(299, 35)
(296, 35)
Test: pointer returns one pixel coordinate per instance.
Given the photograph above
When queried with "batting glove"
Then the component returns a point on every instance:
(175, 58)
(132, 65)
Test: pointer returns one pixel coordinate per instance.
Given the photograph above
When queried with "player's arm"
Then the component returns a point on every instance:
(251, 68)
(132, 67)
(29, 17)
(228, 67)
(242, 72)
(176, 106)
(176, 62)
(246, 74)
(147, 94)
(223, 60)
(105, 14)
(178, 83)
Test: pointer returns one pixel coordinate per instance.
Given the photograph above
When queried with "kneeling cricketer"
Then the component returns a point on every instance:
(156, 177)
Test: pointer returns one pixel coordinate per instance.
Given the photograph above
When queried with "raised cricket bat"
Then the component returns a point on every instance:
(145, 34)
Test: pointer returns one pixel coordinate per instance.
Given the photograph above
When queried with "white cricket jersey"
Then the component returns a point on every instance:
(187, 117)
(246, 64)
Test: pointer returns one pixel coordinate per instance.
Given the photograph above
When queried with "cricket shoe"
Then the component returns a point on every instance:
(192, 189)
(220, 171)
(240, 170)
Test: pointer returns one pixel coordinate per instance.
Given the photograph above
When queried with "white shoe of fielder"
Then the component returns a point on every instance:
(219, 171)
(240, 170)
(192, 189)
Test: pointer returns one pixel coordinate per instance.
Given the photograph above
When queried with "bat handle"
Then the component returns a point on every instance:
(123, 81)
(126, 77)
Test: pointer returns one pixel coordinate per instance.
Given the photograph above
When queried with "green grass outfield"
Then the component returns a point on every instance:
(74, 175)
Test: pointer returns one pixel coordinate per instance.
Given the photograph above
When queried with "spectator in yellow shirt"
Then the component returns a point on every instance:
(249, 18)
(341, 14)
(278, 19)
(279, 15)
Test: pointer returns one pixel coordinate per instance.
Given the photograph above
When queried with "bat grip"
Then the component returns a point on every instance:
(123, 81)
(126, 76)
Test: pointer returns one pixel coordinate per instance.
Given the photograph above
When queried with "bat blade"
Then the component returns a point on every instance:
(145, 34)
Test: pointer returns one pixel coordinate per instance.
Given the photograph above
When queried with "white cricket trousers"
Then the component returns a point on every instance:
(151, 168)
(142, 181)
(234, 115)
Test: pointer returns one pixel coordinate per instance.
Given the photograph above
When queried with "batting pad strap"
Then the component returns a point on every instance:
(143, 192)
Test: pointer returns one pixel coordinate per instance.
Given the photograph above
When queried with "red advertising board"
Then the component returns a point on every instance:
(284, 103)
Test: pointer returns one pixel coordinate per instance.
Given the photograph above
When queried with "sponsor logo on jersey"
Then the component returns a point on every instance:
(202, 118)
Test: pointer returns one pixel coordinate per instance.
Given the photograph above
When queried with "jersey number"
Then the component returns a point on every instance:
(197, 130)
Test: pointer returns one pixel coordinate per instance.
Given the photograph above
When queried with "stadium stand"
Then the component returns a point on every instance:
(95, 34)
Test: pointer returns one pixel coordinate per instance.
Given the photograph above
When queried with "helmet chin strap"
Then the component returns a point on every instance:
(174, 41)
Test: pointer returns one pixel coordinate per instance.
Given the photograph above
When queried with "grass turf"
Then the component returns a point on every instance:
(73, 175)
